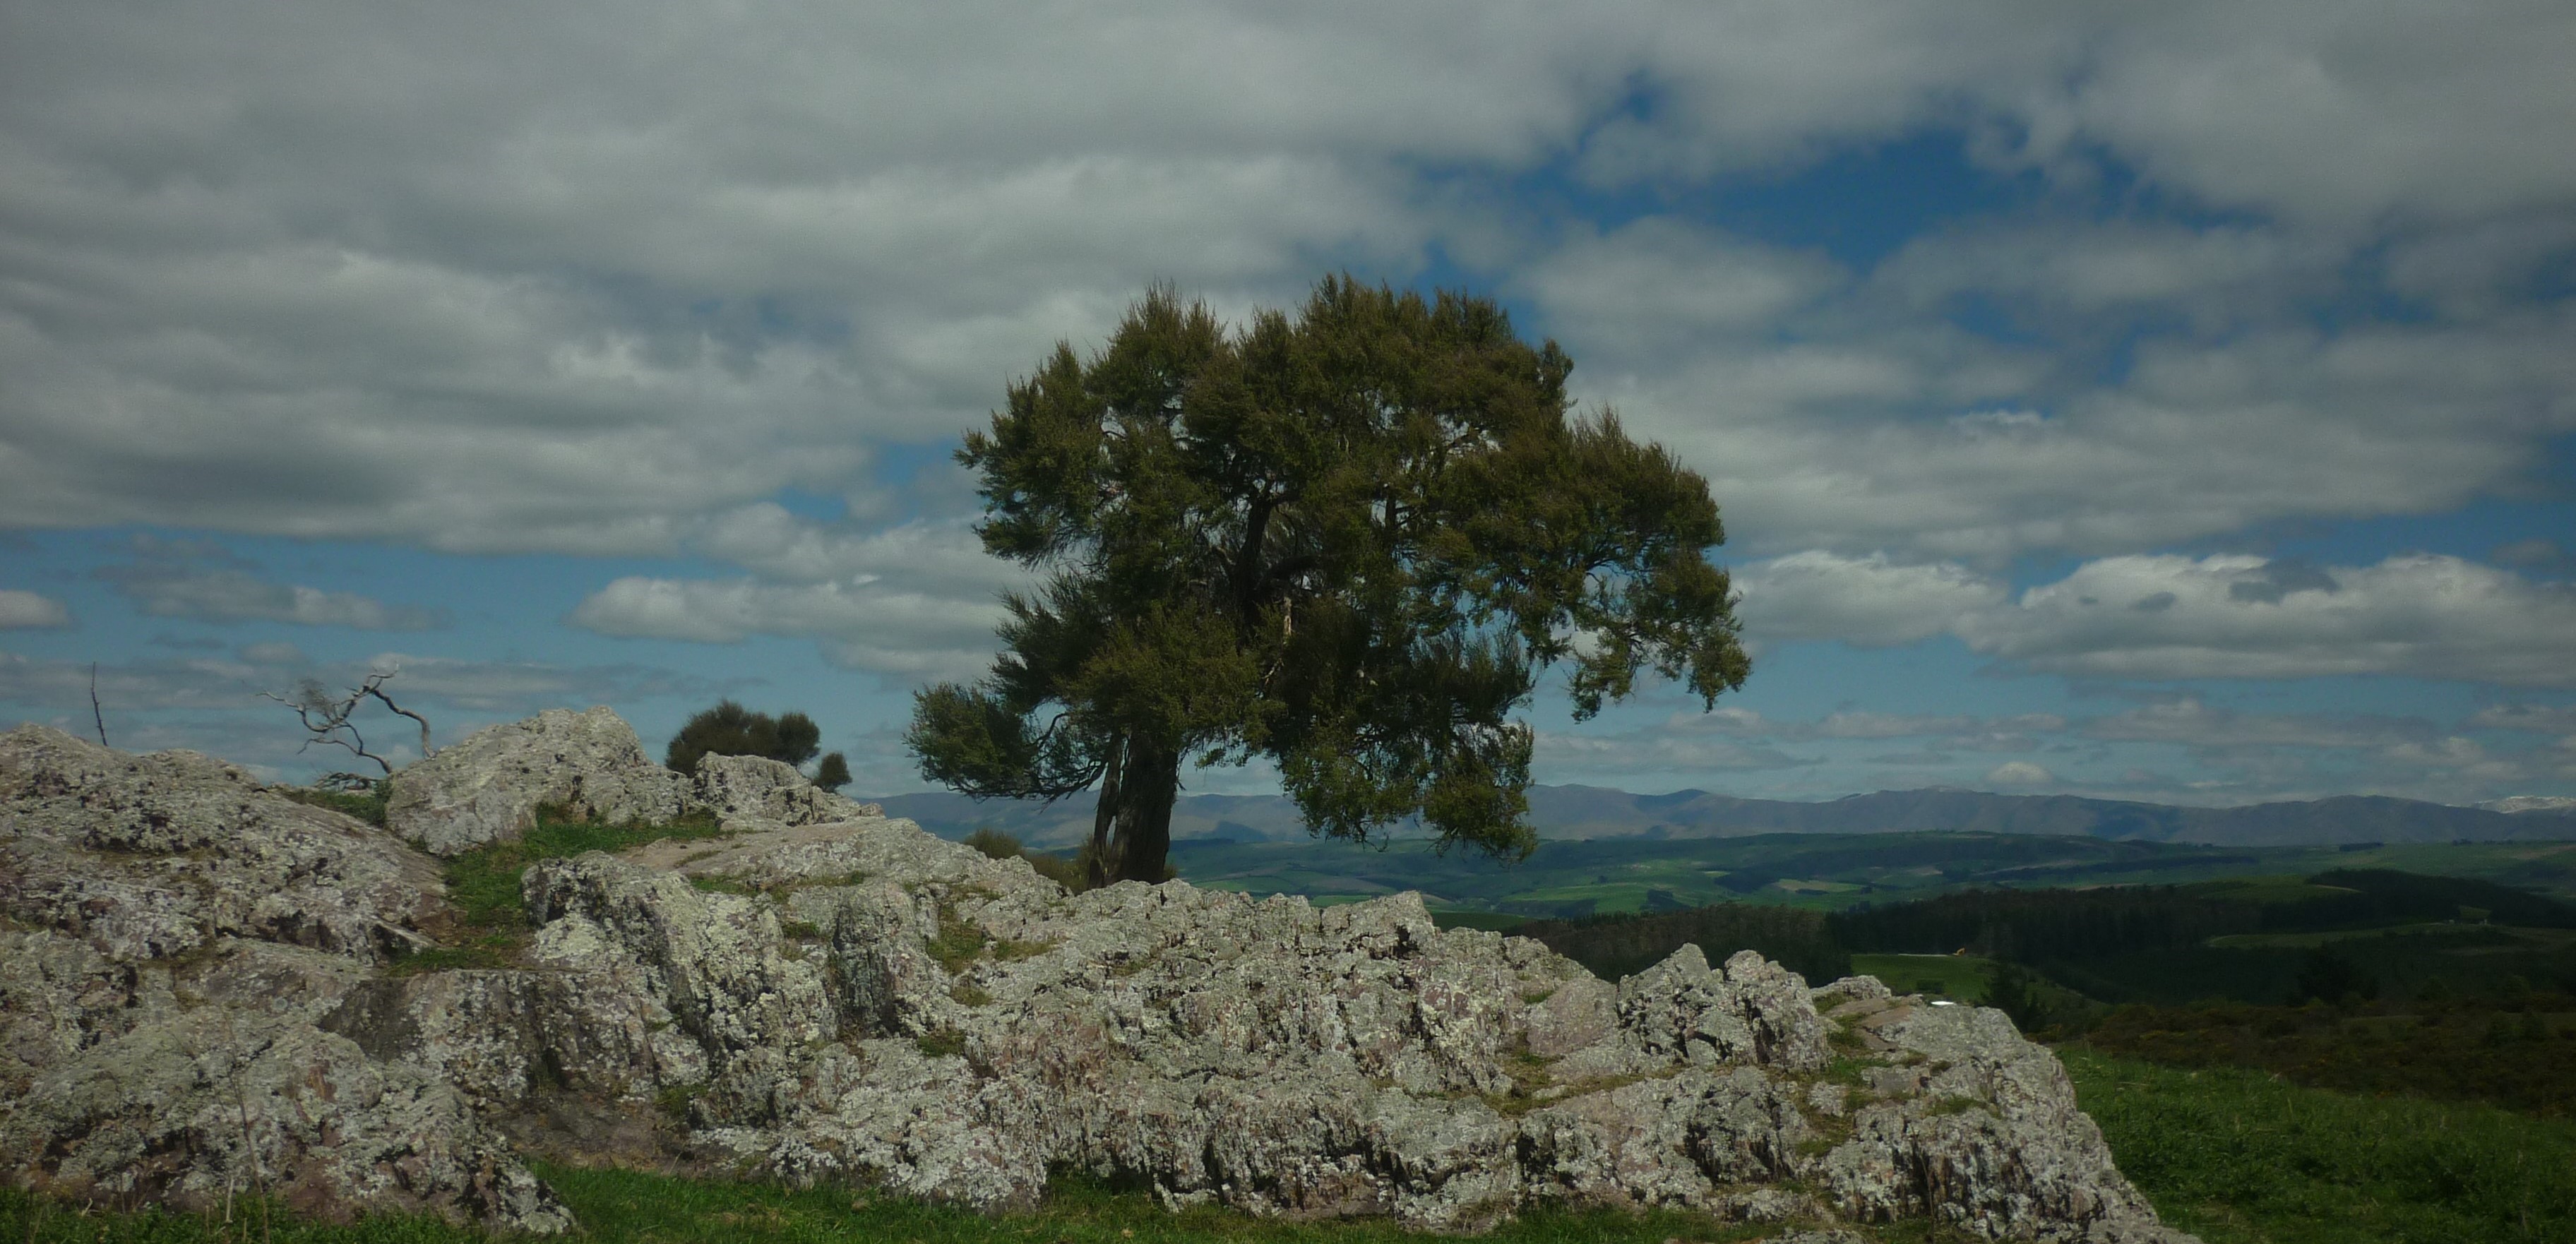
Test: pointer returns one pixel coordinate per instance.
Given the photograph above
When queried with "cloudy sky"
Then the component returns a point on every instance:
(2173, 401)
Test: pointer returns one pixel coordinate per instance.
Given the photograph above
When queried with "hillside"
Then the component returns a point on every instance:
(1593, 812)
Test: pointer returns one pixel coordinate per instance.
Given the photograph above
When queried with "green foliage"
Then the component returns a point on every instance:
(834, 771)
(995, 844)
(1616, 946)
(1345, 541)
(2240, 1157)
(729, 729)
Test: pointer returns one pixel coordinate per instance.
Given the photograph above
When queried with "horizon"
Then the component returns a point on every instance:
(2160, 406)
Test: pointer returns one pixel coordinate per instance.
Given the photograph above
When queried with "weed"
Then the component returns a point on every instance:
(970, 995)
(941, 1043)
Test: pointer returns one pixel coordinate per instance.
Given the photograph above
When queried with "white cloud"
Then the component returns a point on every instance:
(2189, 722)
(2229, 616)
(860, 623)
(1872, 601)
(270, 272)
(2533, 718)
(2019, 773)
(27, 610)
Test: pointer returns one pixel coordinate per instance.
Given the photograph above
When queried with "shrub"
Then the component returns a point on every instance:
(729, 729)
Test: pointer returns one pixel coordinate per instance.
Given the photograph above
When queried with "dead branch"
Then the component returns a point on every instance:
(94, 713)
(326, 718)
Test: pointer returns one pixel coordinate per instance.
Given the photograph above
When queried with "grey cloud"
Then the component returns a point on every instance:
(483, 280)
(232, 596)
(221, 683)
(202, 582)
(2419, 615)
(28, 610)
(2273, 581)
(2534, 718)
(2192, 723)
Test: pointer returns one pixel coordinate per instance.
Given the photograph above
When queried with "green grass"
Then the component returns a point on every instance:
(2238, 1157)
(1961, 978)
(625, 1205)
(484, 883)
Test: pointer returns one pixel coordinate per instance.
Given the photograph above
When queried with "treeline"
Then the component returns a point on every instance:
(2113, 942)
(1614, 946)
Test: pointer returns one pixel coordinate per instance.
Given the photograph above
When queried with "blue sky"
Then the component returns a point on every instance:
(2173, 404)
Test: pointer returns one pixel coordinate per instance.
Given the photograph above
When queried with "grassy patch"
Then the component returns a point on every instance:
(2237, 1156)
(1962, 978)
(367, 805)
(2521, 1059)
(484, 883)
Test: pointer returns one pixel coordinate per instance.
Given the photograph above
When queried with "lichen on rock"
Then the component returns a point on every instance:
(829, 995)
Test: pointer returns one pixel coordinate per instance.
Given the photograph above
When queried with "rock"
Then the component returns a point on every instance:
(175, 936)
(151, 857)
(828, 995)
(487, 788)
(759, 788)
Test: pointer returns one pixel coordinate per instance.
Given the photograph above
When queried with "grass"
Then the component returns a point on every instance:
(484, 883)
(2239, 1157)
(1962, 978)
(2234, 1156)
(626, 1205)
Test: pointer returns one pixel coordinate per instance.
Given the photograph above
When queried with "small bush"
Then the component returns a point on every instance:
(729, 729)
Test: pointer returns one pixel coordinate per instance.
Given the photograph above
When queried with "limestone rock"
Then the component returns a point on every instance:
(826, 994)
(149, 857)
(486, 789)
(759, 788)
(174, 936)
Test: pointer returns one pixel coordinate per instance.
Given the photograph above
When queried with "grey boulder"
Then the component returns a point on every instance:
(487, 788)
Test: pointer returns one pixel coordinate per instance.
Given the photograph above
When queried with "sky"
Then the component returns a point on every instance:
(2170, 402)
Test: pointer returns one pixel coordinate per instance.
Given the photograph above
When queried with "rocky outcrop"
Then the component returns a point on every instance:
(173, 935)
(757, 787)
(856, 1001)
(488, 787)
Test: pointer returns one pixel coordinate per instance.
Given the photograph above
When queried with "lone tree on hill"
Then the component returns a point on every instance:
(729, 729)
(1346, 540)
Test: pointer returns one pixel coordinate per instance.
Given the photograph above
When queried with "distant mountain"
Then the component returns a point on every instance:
(1594, 812)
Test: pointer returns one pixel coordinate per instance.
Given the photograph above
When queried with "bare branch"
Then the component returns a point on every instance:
(94, 713)
(326, 718)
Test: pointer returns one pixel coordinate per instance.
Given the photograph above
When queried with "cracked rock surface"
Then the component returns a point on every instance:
(830, 995)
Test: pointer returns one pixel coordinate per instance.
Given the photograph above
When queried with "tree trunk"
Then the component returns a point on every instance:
(1143, 840)
(1101, 861)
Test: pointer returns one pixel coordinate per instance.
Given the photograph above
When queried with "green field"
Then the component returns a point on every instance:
(1573, 879)
(2239, 1157)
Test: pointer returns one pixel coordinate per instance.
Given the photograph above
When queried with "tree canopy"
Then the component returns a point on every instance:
(1347, 540)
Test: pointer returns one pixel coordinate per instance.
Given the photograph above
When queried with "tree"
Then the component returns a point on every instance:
(834, 771)
(1345, 540)
(729, 729)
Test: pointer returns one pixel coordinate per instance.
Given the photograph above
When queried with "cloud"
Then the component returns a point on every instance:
(2019, 773)
(27, 610)
(173, 580)
(220, 683)
(2189, 722)
(2534, 718)
(270, 274)
(2233, 616)
(861, 625)
(1872, 601)
(2165, 617)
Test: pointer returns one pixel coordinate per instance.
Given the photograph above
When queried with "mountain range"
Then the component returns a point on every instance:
(1594, 812)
